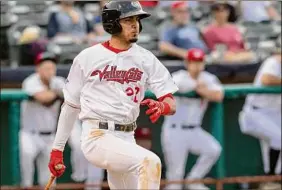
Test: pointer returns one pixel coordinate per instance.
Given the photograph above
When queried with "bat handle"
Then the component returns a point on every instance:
(50, 182)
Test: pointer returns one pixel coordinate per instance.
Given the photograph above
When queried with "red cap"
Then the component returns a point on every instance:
(178, 4)
(195, 55)
(45, 56)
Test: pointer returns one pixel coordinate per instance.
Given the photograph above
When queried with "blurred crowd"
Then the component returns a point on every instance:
(229, 31)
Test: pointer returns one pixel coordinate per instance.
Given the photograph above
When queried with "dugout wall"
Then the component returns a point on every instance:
(240, 156)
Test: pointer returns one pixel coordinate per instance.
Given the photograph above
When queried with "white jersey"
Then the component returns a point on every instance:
(109, 86)
(273, 101)
(190, 111)
(34, 116)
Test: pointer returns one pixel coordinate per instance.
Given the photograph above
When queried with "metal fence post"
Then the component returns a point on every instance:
(218, 132)
(14, 123)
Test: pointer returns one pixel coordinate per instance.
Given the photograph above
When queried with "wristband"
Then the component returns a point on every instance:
(166, 108)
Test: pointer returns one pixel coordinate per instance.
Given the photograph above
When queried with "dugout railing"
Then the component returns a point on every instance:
(15, 96)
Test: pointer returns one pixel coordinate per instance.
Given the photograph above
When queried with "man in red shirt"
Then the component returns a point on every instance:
(221, 32)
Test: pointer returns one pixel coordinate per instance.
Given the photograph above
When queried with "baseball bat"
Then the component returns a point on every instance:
(50, 182)
(52, 178)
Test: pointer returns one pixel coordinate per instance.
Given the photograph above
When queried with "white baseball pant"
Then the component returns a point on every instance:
(81, 169)
(264, 124)
(265, 158)
(129, 166)
(34, 147)
(177, 143)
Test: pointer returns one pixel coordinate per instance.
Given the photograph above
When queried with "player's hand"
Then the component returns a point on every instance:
(156, 109)
(200, 87)
(56, 164)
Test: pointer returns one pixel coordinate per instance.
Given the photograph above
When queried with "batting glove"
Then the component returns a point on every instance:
(156, 109)
(56, 164)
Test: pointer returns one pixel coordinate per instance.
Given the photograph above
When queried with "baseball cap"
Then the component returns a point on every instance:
(196, 55)
(178, 4)
(44, 57)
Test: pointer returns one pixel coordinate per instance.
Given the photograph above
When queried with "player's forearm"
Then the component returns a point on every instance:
(172, 50)
(269, 80)
(172, 105)
(66, 122)
(212, 95)
(46, 97)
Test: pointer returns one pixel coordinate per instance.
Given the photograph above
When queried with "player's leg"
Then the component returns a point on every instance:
(43, 159)
(265, 155)
(174, 144)
(119, 181)
(78, 162)
(28, 153)
(208, 149)
(278, 170)
(264, 128)
(138, 167)
(277, 153)
(95, 175)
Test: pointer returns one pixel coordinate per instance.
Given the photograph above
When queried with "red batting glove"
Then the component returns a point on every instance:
(156, 109)
(56, 164)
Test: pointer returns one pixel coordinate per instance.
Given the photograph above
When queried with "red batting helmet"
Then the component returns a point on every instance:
(194, 54)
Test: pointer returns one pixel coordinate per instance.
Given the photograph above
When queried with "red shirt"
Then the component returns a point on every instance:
(228, 35)
(149, 3)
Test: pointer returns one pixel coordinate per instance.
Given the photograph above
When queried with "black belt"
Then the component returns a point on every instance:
(125, 128)
(42, 133)
(255, 107)
(185, 126)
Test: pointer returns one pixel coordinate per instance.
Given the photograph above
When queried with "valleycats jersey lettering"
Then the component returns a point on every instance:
(121, 76)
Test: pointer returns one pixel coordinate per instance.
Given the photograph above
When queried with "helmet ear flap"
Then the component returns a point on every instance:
(140, 26)
(116, 27)
(110, 20)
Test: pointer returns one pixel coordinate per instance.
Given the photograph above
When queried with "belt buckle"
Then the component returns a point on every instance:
(123, 128)
(126, 128)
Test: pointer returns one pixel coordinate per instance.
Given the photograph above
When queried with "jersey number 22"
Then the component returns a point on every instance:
(133, 92)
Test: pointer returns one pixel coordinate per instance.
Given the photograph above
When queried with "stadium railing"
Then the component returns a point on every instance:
(15, 96)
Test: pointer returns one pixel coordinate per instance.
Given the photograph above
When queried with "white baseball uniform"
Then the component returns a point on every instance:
(38, 127)
(266, 107)
(81, 168)
(108, 86)
(182, 132)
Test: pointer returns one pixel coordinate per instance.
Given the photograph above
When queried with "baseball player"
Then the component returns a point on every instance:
(267, 108)
(105, 86)
(82, 170)
(182, 132)
(39, 117)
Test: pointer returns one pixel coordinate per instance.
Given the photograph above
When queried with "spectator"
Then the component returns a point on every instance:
(38, 119)
(180, 36)
(30, 45)
(257, 11)
(70, 21)
(225, 35)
